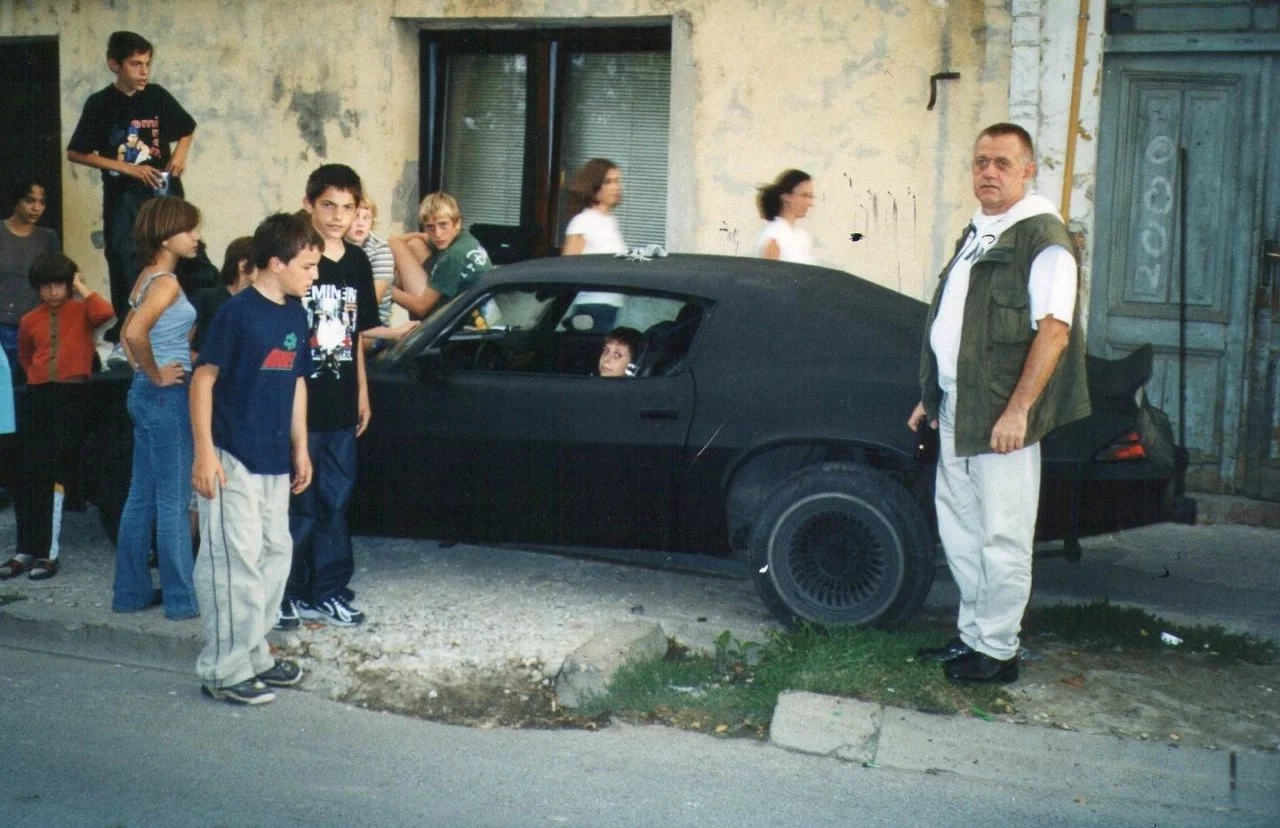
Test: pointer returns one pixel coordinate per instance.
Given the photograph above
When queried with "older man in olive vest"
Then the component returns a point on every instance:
(1001, 366)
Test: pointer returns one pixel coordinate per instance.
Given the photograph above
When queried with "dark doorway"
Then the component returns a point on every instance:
(31, 129)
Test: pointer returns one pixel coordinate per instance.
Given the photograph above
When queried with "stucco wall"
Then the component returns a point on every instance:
(276, 88)
(835, 88)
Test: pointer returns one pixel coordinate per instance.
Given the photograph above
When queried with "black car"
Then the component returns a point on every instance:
(765, 421)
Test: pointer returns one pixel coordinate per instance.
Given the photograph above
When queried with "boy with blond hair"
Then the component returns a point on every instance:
(440, 262)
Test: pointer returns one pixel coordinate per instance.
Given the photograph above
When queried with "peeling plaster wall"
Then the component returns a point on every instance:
(835, 88)
(273, 96)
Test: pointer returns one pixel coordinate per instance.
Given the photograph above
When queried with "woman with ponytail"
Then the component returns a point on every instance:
(782, 204)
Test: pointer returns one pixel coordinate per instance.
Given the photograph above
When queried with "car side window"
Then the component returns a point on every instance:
(666, 325)
(561, 331)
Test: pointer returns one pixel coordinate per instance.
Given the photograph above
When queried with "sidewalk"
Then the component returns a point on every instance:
(439, 615)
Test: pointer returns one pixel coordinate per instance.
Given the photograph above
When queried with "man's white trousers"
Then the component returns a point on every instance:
(987, 520)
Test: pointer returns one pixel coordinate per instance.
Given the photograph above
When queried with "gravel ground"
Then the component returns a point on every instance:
(440, 616)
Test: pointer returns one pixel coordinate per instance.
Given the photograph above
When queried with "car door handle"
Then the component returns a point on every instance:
(659, 414)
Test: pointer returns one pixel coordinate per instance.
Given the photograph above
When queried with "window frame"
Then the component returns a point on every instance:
(547, 51)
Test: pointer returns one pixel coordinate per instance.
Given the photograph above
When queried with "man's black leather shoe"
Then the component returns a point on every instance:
(955, 649)
(982, 668)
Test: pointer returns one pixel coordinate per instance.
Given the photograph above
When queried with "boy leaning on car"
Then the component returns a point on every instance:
(1002, 365)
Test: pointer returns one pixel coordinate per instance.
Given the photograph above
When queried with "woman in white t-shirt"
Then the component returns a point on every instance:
(593, 194)
(782, 204)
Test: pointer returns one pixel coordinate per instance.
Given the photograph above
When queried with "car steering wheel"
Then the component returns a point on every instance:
(489, 357)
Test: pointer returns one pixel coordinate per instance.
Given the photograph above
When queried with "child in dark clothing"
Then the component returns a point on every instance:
(237, 274)
(126, 131)
(340, 306)
(55, 349)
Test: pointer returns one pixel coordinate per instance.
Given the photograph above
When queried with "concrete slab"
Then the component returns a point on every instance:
(826, 726)
(588, 670)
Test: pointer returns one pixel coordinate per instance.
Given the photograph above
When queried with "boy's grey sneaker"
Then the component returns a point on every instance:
(283, 673)
(334, 611)
(117, 357)
(249, 691)
(287, 615)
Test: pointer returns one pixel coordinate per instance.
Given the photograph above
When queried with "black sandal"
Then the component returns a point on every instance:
(43, 569)
(13, 567)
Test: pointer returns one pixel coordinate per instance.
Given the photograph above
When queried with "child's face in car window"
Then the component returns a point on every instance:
(614, 359)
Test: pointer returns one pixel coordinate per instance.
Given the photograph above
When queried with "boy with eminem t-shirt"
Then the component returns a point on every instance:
(126, 131)
(248, 420)
(340, 305)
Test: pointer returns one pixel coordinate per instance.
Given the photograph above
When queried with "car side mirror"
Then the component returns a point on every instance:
(430, 364)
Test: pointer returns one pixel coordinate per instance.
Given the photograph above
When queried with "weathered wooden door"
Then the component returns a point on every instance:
(1192, 127)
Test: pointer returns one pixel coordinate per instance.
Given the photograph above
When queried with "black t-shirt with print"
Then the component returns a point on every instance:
(136, 129)
(340, 305)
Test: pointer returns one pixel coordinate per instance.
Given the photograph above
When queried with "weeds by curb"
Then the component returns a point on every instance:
(733, 690)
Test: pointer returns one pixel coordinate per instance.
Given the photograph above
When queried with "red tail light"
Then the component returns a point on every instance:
(1128, 447)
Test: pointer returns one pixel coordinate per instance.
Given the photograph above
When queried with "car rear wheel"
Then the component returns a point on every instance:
(842, 545)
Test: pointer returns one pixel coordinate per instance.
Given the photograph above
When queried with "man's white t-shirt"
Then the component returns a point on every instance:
(1051, 286)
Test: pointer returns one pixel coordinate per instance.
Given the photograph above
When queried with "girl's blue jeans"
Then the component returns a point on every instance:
(159, 501)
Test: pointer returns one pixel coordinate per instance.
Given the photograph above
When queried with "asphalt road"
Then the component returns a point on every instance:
(95, 743)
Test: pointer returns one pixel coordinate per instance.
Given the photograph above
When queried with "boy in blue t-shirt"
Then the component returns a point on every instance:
(249, 423)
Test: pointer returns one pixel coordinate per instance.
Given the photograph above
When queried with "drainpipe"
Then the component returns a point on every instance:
(1073, 116)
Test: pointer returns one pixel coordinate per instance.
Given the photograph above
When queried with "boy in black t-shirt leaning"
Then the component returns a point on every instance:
(126, 131)
(249, 426)
(340, 305)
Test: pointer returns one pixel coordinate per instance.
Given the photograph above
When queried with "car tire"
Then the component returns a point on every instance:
(842, 545)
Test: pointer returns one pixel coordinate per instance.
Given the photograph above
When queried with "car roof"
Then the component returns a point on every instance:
(757, 302)
(696, 274)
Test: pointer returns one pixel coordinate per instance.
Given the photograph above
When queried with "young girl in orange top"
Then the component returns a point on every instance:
(55, 349)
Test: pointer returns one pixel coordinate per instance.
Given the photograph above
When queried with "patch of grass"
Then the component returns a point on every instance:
(1104, 625)
(733, 691)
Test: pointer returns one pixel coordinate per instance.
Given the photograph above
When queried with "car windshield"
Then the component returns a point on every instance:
(414, 341)
(513, 310)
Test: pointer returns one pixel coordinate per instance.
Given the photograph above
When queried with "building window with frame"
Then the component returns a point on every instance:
(509, 116)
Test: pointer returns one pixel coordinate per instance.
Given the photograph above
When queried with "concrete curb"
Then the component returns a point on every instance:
(1073, 763)
(141, 644)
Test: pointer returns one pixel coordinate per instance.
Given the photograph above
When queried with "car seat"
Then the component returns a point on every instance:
(506, 244)
(666, 343)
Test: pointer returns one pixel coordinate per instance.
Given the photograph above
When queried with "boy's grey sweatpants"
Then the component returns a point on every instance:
(240, 574)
